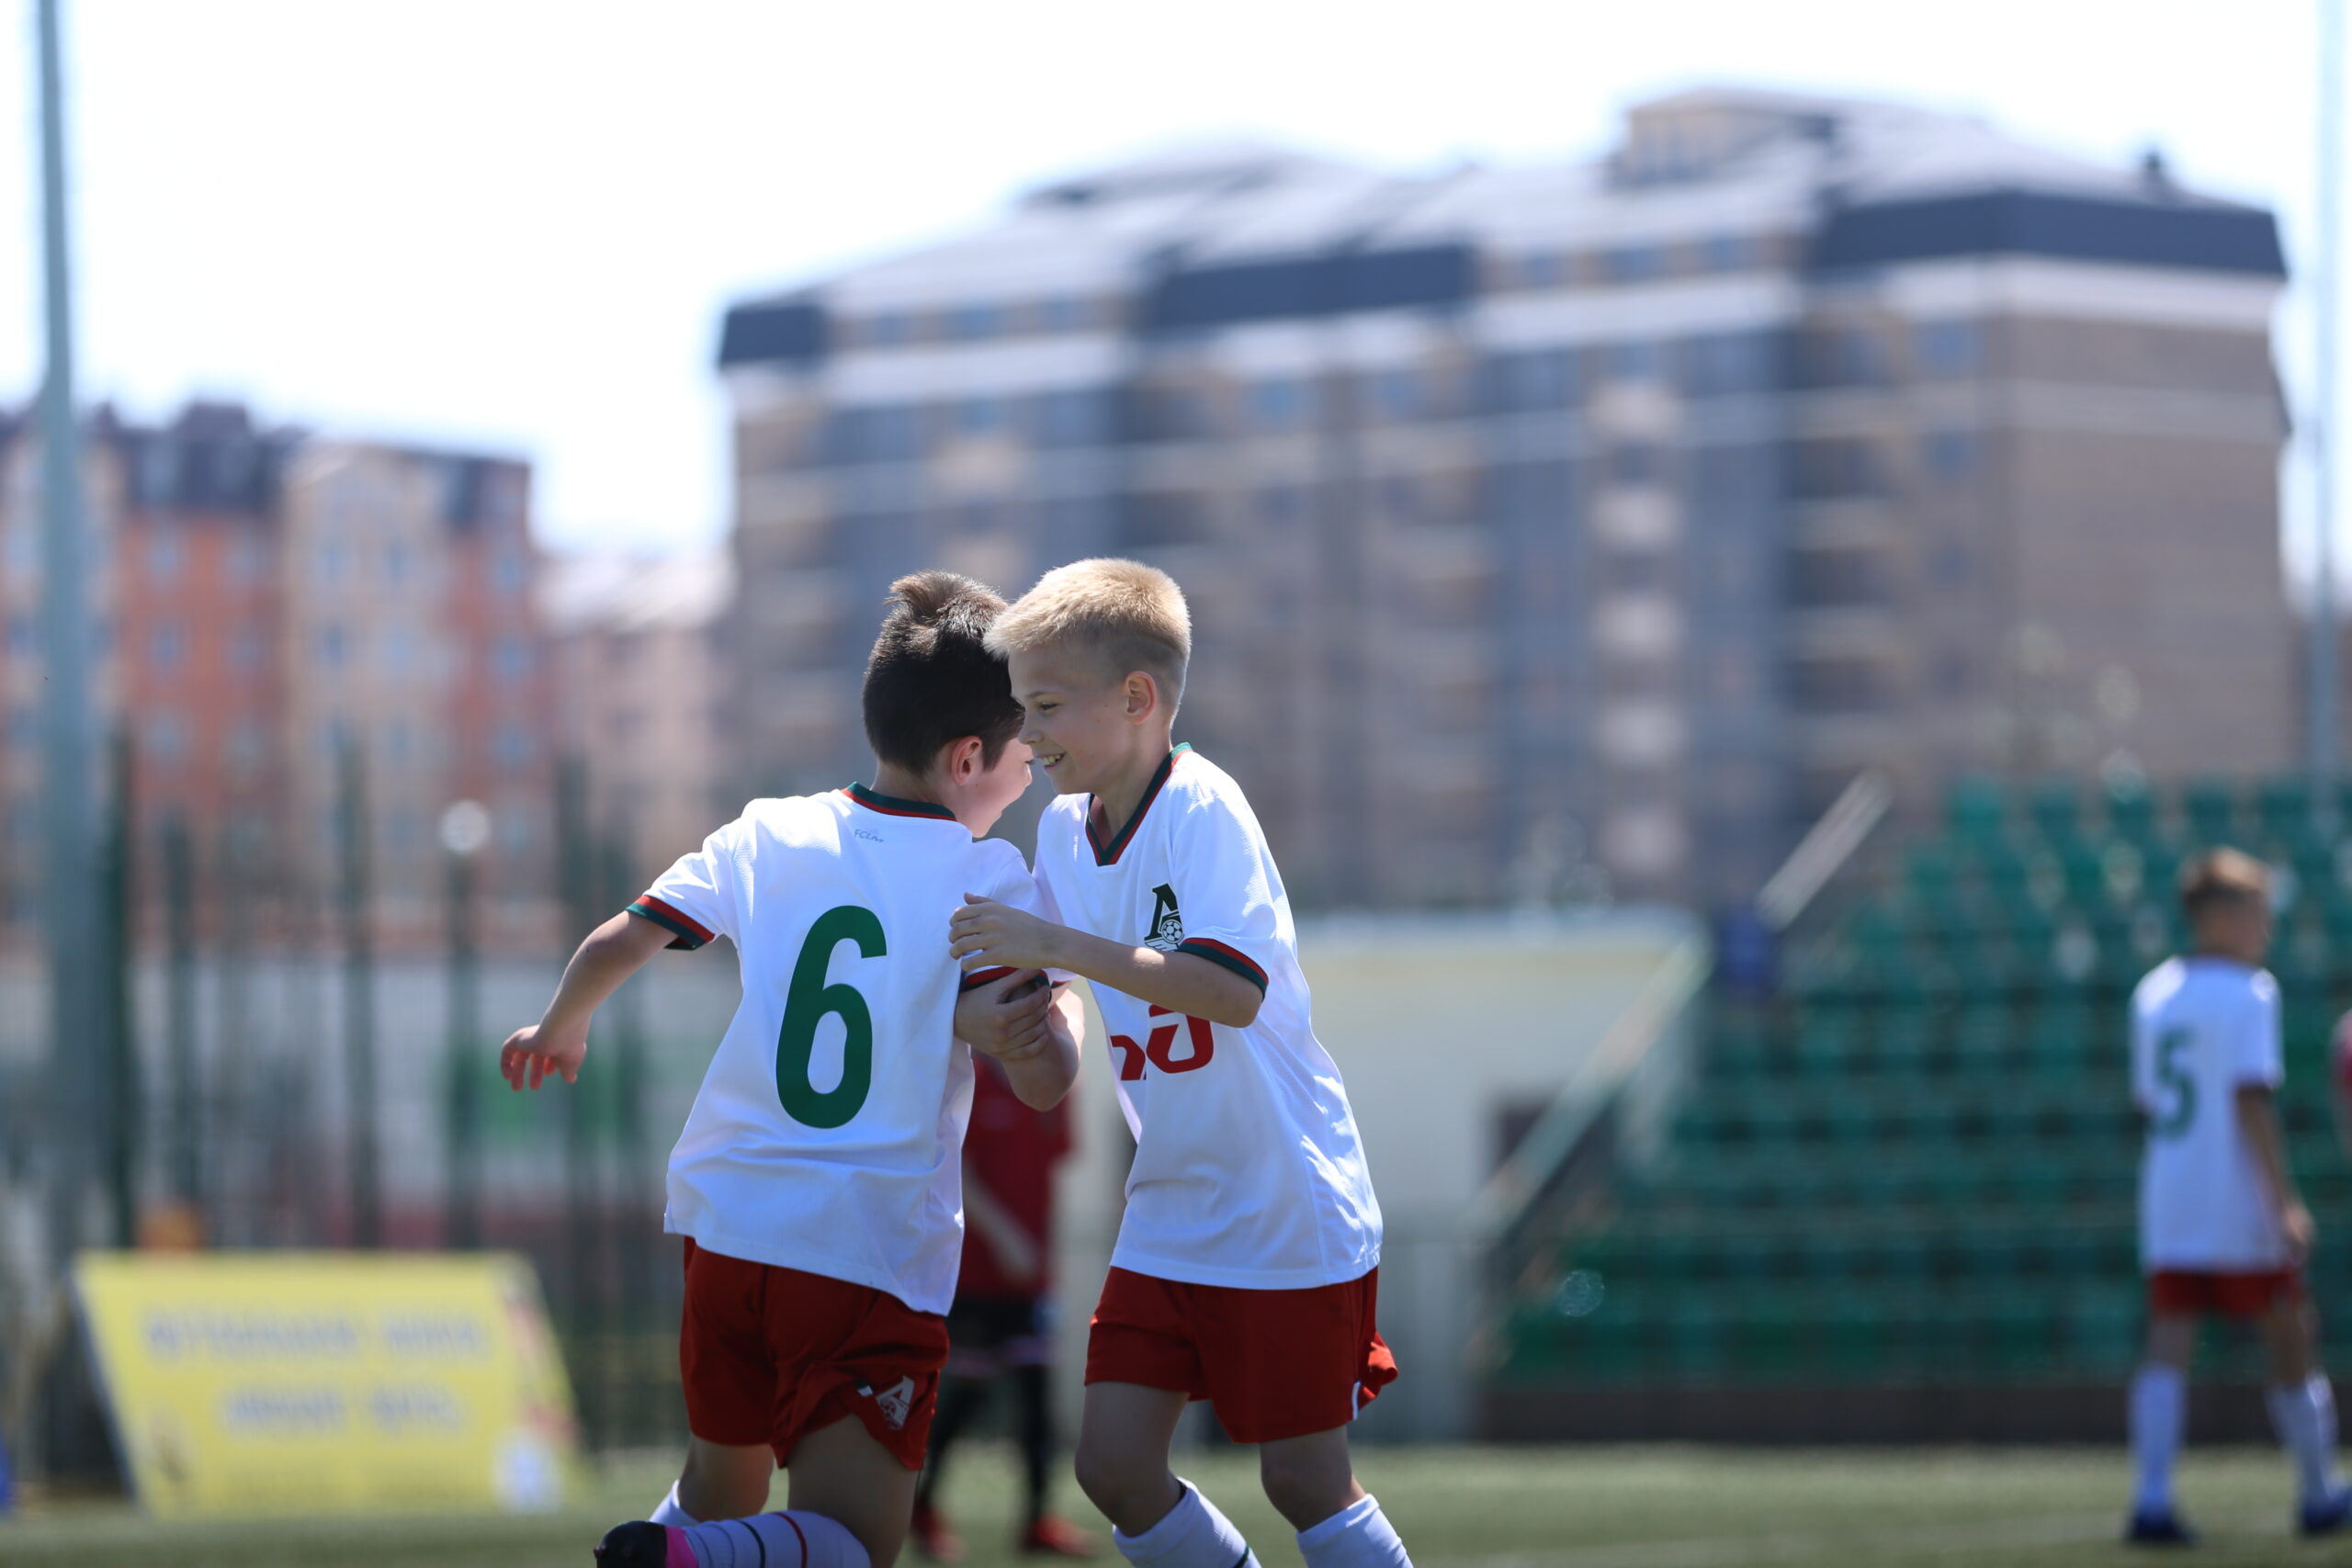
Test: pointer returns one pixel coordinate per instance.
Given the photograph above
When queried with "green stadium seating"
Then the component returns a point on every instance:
(1919, 1162)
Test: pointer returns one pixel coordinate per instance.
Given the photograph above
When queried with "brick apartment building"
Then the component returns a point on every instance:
(263, 598)
(1553, 524)
(640, 678)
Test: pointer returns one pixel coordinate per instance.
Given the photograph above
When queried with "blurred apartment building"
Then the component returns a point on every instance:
(1560, 523)
(264, 600)
(640, 682)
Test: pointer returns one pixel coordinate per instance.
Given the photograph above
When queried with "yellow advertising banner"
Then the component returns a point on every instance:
(330, 1382)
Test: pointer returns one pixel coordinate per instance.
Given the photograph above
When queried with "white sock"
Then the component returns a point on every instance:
(1358, 1535)
(2159, 1412)
(794, 1538)
(1194, 1535)
(670, 1513)
(2304, 1417)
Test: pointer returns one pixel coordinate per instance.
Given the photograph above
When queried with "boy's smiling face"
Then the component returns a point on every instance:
(1085, 729)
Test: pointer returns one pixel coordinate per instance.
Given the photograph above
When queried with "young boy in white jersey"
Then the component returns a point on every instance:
(818, 1180)
(2222, 1228)
(1246, 1266)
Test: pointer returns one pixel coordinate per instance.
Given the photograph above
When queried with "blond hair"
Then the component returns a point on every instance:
(2222, 877)
(1131, 614)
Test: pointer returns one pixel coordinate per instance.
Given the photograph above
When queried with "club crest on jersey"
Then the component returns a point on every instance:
(1167, 921)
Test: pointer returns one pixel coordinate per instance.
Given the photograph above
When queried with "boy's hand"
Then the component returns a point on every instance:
(538, 1054)
(985, 934)
(1006, 1018)
(2295, 1224)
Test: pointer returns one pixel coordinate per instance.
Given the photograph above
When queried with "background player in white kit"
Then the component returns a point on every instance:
(818, 1182)
(1247, 1268)
(2222, 1228)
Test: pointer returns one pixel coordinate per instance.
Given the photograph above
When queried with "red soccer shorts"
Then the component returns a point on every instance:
(1276, 1363)
(769, 1354)
(2174, 1292)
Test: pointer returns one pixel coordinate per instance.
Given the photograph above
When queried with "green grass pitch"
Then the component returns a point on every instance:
(1457, 1507)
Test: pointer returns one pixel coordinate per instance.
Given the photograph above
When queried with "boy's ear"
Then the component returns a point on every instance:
(1143, 694)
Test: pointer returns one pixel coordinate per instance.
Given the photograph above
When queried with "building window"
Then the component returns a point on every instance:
(1279, 404)
(510, 572)
(165, 555)
(1063, 315)
(512, 745)
(167, 645)
(1633, 264)
(510, 658)
(246, 648)
(247, 562)
(1280, 504)
(329, 563)
(1842, 357)
(973, 322)
(1948, 455)
(1541, 379)
(1839, 470)
(1396, 394)
(334, 646)
(1948, 348)
(1731, 252)
(884, 331)
(23, 635)
(1634, 361)
(395, 563)
(163, 737)
(398, 651)
(246, 743)
(397, 738)
(979, 416)
(1636, 463)
(1545, 269)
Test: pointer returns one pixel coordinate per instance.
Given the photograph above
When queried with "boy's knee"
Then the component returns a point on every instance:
(1132, 1492)
(1306, 1486)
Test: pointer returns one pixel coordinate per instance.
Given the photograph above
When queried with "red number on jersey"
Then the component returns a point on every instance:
(1200, 1041)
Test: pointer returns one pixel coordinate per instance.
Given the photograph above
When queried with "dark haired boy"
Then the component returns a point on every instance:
(2222, 1228)
(818, 1180)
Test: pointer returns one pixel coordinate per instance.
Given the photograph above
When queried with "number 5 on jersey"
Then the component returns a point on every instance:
(805, 1004)
(1159, 1048)
(2178, 1112)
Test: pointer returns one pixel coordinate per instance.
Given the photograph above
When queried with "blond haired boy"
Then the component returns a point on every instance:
(2222, 1228)
(1246, 1271)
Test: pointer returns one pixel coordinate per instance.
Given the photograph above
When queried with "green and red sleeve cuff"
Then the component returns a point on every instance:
(687, 933)
(1225, 957)
(975, 978)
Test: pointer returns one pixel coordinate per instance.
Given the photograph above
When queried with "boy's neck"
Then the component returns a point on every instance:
(1118, 797)
(900, 784)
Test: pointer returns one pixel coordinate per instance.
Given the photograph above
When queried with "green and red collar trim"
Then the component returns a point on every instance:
(891, 805)
(1108, 854)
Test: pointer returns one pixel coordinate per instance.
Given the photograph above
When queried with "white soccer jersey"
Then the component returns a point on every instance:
(2201, 1027)
(1247, 1170)
(827, 1135)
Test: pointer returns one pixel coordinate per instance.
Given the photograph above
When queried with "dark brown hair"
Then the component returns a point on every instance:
(2222, 876)
(931, 678)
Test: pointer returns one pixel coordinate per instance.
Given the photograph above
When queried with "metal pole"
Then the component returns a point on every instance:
(358, 999)
(2324, 265)
(639, 1173)
(124, 1125)
(76, 1015)
(186, 1097)
(462, 1228)
(589, 1323)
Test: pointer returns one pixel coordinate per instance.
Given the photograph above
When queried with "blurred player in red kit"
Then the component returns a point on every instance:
(1001, 1326)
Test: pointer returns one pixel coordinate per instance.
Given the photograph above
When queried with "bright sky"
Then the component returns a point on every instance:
(514, 223)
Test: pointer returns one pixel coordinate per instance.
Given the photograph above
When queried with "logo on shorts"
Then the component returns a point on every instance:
(1166, 923)
(898, 1401)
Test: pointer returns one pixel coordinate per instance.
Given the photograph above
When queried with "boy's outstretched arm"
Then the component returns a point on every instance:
(1031, 1029)
(985, 933)
(555, 1045)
